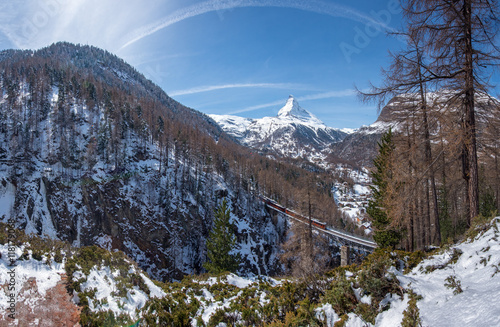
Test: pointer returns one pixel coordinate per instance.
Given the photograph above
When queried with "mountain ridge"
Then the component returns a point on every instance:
(400, 111)
(293, 132)
(296, 133)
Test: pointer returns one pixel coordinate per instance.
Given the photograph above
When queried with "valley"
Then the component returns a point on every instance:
(116, 192)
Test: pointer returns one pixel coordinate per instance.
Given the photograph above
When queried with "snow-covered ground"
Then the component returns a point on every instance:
(209, 305)
(45, 276)
(31, 283)
(28, 287)
(472, 264)
(104, 281)
(458, 286)
(389, 318)
(461, 292)
(476, 273)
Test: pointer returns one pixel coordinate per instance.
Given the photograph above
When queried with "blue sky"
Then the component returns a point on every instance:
(241, 57)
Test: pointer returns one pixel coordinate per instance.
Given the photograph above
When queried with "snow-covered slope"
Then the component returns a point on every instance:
(39, 292)
(294, 132)
(474, 265)
(461, 286)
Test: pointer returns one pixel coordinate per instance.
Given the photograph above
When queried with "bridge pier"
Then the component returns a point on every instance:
(345, 256)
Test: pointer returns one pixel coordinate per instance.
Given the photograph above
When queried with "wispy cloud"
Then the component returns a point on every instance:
(233, 86)
(317, 96)
(260, 106)
(320, 7)
(328, 95)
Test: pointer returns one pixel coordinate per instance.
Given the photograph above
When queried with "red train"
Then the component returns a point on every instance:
(295, 215)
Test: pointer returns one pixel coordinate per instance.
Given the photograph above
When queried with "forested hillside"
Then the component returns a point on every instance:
(93, 153)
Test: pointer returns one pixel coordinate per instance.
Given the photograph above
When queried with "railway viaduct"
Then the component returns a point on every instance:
(347, 240)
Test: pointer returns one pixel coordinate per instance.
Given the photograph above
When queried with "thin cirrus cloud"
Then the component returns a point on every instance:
(31, 24)
(316, 6)
(318, 96)
(202, 89)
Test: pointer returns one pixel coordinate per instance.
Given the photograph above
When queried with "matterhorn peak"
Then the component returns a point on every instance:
(292, 108)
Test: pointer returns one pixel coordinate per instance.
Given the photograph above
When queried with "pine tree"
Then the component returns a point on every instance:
(221, 242)
(386, 235)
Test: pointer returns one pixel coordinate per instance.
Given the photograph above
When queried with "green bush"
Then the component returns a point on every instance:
(168, 312)
(479, 225)
(411, 259)
(58, 257)
(221, 291)
(103, 318)
(342, 321)
(367, 312)
(223, 315)
(341, 296)
(372, 275)
(411, 315)
(37, 255)
(138, 281)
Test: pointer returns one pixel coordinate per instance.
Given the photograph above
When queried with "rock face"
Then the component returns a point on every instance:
(359, 148)
(294, 132)
(93, 153)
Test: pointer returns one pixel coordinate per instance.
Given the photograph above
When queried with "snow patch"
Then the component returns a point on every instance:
(7, 198)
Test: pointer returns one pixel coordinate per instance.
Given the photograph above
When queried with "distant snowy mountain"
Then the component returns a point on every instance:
(294, 132)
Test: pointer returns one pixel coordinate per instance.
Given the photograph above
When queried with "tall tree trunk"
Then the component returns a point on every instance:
(429, 163)
(412, 212)
(471, 171)
(410, 227)
(428, 212)
(423, 221)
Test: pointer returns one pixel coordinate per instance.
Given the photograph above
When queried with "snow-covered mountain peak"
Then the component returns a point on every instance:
(293, 109)
(294, 132)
